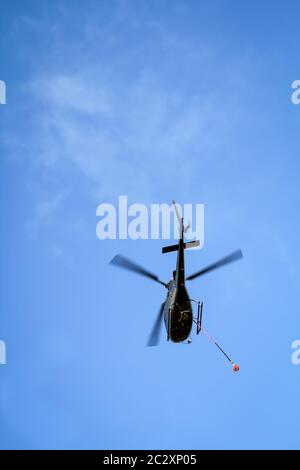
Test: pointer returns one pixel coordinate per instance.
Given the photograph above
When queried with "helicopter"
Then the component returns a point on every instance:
(176, 310)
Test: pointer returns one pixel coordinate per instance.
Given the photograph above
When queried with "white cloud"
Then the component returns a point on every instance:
(122, 120)
(45, 211)
(115, 136)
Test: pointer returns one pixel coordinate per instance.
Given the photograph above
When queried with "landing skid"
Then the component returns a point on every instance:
(198, 321)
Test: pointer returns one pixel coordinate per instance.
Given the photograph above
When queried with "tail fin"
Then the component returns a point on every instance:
(180, 220)
(168, 249)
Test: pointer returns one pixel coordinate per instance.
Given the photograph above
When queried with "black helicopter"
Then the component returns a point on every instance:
(177, 309)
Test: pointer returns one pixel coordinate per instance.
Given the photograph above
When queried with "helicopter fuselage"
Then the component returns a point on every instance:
(178, 313)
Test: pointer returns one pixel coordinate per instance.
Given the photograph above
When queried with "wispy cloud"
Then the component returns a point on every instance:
(114, 137)
(45, 210)
(124, 121)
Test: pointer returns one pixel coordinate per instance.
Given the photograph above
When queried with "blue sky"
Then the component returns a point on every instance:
(156, 100)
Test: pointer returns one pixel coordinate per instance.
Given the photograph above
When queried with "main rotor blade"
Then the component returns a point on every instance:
(222, 262)
(155, 332)
(125, 263)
